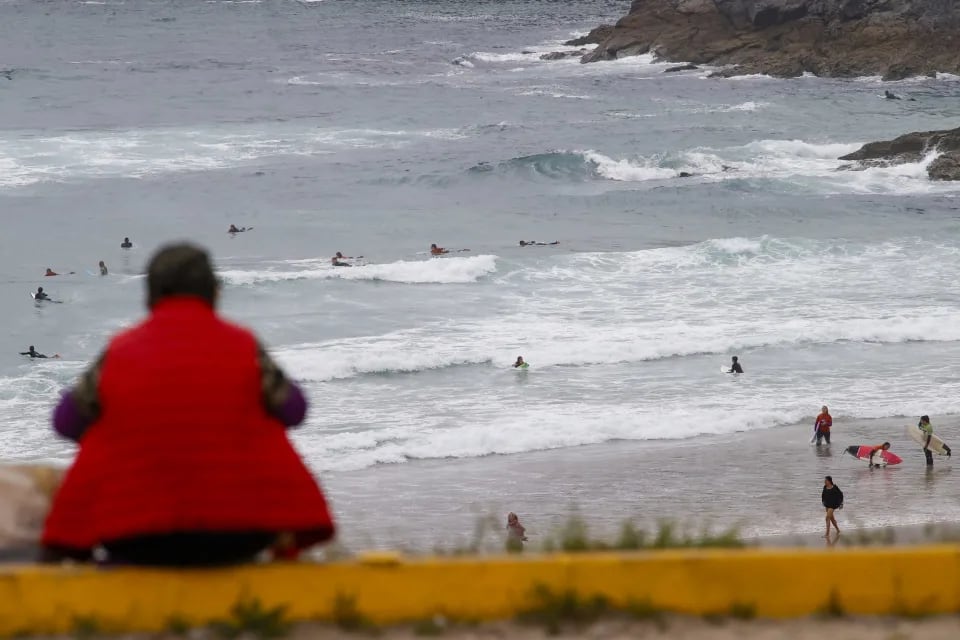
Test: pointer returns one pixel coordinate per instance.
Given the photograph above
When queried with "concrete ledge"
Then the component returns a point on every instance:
(387, 589)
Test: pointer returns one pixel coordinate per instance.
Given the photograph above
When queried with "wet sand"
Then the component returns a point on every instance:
(767, 483)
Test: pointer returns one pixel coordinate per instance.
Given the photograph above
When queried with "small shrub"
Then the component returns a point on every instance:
(743, 611)
(631, 538)
(552, 610)
(84, 627)
(250, 617)
(833, 608)
(177, 626)
(434, 626)
(348, 617)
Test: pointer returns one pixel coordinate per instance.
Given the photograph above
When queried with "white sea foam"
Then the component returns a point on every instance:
(446, 270)
(140, 153)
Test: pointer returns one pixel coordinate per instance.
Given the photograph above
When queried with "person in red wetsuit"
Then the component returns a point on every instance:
(822, 425)
(184, 459)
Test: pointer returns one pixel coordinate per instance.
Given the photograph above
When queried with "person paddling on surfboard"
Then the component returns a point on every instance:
(821, 427)
(927, 428)
(339, 260)
(832, 499)
(126, 244)
(40, 295)
(735, 366)
(520, 363)
(876, 452)
(33, 353)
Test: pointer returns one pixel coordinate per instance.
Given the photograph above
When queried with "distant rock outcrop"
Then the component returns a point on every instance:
(840, 38)
(914, 147)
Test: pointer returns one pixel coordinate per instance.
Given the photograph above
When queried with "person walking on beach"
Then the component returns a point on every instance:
(832, 499)
(927, 429)
(822, 425)
(735, 366)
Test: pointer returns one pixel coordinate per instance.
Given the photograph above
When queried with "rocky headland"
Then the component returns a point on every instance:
(786, 38)
(914, 147)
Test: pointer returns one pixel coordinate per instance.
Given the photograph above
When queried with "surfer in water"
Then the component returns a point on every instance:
(832, 499)
(40, 295)
(233, 229)
(822, 425)
(735, 366)
(927, 429)
(337, 261)
(50, 272)
(534, 243)
(875, 452)
(437, 251)
(33, 353)
(126, 244)
(516, 533)
(103, 268)
(520, 363)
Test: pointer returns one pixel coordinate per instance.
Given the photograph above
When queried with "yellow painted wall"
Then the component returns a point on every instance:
(387, 589)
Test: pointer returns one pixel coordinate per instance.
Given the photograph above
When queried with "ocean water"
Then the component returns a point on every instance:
(377, 127)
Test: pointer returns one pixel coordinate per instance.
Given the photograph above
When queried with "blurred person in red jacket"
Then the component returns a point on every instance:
(184, 459)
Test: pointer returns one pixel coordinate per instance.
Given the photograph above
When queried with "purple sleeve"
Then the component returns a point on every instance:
(68, 420)
(294, 408)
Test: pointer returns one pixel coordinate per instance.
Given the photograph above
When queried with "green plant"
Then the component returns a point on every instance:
(178, 626)
(833, 607)
(347, 616)
(743, 611)
(250, 617)
(85, 627)
(631, 538)
(552, 610)
(645, 610)
(434, 626)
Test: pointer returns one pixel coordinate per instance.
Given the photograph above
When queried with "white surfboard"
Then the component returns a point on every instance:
(936, 444)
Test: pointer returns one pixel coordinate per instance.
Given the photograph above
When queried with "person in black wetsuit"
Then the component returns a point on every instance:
(832, 499)
(103, 268)
(40, 295)
(534, 243)
(126, 244)
(735, 366)
(33, 353)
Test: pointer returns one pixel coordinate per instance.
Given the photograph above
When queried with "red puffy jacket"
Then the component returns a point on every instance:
(183, 442)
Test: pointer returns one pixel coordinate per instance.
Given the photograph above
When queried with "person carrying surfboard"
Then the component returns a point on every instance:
(832, 499)
(735, 366)
(876, 451)
(821, 426)
(927, 428)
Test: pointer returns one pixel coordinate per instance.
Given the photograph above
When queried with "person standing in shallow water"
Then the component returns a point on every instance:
(191, 465)
(832, 499)
(822, 425)
(516, 533)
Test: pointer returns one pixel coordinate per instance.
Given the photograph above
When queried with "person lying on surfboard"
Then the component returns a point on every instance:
(33, 353)
(927, 428)
(876, 451)
(735, 366)
(40, 295)
(822, 425)
(436, 251)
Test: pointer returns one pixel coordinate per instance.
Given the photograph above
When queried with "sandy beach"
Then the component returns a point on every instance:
(765, 482)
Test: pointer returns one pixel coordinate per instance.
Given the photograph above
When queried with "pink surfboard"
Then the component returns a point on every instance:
(862, 452)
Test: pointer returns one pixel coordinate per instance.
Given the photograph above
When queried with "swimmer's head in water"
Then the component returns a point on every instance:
(181, 270)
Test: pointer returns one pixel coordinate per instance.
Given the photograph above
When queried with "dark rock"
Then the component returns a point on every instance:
(563, 55)
(841, 38)
(945, 167)
(912, 147)
(596, 36)
(682, 67)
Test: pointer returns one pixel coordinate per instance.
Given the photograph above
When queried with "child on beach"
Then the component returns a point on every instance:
(822, 425)
(516, 533)
(832, 499)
